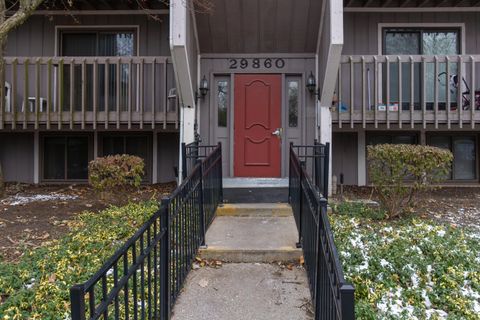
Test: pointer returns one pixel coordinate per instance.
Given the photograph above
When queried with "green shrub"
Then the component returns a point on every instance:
(118, 171)
(399, 171)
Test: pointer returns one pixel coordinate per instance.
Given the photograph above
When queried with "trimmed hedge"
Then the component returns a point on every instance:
(118, 171)
(399, 171)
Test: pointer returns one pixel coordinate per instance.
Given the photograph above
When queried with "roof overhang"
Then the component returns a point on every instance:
(259, 26)
(423, 5)
(103, 6)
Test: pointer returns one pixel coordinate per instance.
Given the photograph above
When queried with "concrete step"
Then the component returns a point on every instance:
(252, 239)
(255, 190)
(255, 209)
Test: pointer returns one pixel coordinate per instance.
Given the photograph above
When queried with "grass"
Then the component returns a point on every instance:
(408, 268)
(38, 286)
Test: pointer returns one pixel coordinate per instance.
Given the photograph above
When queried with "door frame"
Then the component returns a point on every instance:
(232, 119)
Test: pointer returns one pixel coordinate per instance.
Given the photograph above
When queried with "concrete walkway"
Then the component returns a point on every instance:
(258, 240)
(245, 291)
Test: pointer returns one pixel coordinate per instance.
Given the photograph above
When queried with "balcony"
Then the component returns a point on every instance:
(407, 91)
(88, 92)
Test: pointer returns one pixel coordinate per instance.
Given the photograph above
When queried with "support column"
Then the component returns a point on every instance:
(95, 145)
(36, 157)
(423, 137)
(325, 135)
(361, 158)
(155, 157)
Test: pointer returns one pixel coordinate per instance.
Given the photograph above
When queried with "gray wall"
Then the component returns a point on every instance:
(361, 29)
(361, 32)
(168, 148)
(344, 157)
(37, 36)
(217, 68)
(16, 156)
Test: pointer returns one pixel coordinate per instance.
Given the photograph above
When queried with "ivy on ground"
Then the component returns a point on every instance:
(38, 286)
(409, 268)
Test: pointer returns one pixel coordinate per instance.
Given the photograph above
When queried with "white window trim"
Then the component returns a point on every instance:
(439, 25)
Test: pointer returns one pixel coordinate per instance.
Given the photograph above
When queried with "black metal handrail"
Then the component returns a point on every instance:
(192, 153)
(315, 159)
(143, 278)
(333, 297)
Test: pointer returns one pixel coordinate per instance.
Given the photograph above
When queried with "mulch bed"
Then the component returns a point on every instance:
(33, 214)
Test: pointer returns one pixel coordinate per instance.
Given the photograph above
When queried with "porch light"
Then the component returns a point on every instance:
(312, 85)
(203, 87)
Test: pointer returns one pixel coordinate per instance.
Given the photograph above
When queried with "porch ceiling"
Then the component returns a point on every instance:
(259, 26)
(410, 3)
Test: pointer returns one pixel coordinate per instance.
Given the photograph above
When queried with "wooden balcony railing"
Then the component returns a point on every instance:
(88, 92)
(408, 91)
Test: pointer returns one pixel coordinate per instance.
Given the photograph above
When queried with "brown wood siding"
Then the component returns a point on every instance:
(345, 157)
(168, 151)
(16, 156)
(217, 67)
(36, 38)
(361, 29)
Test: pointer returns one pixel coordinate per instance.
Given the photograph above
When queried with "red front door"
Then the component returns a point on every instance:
(257, 115)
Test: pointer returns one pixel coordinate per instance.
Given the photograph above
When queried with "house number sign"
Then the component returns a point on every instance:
(256, 63)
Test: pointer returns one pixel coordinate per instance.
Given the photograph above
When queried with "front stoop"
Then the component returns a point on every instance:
(255, 210)
(253, 233)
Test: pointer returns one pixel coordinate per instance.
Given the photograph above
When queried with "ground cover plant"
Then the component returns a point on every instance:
(37, 287)
(408, 268)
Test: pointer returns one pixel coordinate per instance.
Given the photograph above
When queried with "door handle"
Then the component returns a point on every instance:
(278, 133)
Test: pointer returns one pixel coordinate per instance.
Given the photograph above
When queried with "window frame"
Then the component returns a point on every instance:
(65, 137)
(421, 31)
(423, 26)
(124, 135)
(97, 29)
(450, 136)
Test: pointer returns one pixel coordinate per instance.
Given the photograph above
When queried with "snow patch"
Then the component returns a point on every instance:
(17, 199)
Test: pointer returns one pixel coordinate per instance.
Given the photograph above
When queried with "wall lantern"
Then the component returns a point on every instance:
(312, 85)
(203, 88)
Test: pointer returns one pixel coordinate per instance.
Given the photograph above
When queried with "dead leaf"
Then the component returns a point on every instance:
(302, 260)
(290, 267)
(203, 283)
(52, 278)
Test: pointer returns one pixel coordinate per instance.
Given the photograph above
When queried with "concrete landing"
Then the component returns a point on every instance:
(255, 209)
(244, 292)
(255, 183)
(252, 239)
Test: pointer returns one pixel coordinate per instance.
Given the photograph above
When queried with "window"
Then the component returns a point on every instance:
(222, 103)
(92, 43)
(386, 138)
(464, 151)
(420, 41)
(293, 103)
(65, 158)
(97, 43)
(132, 145)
